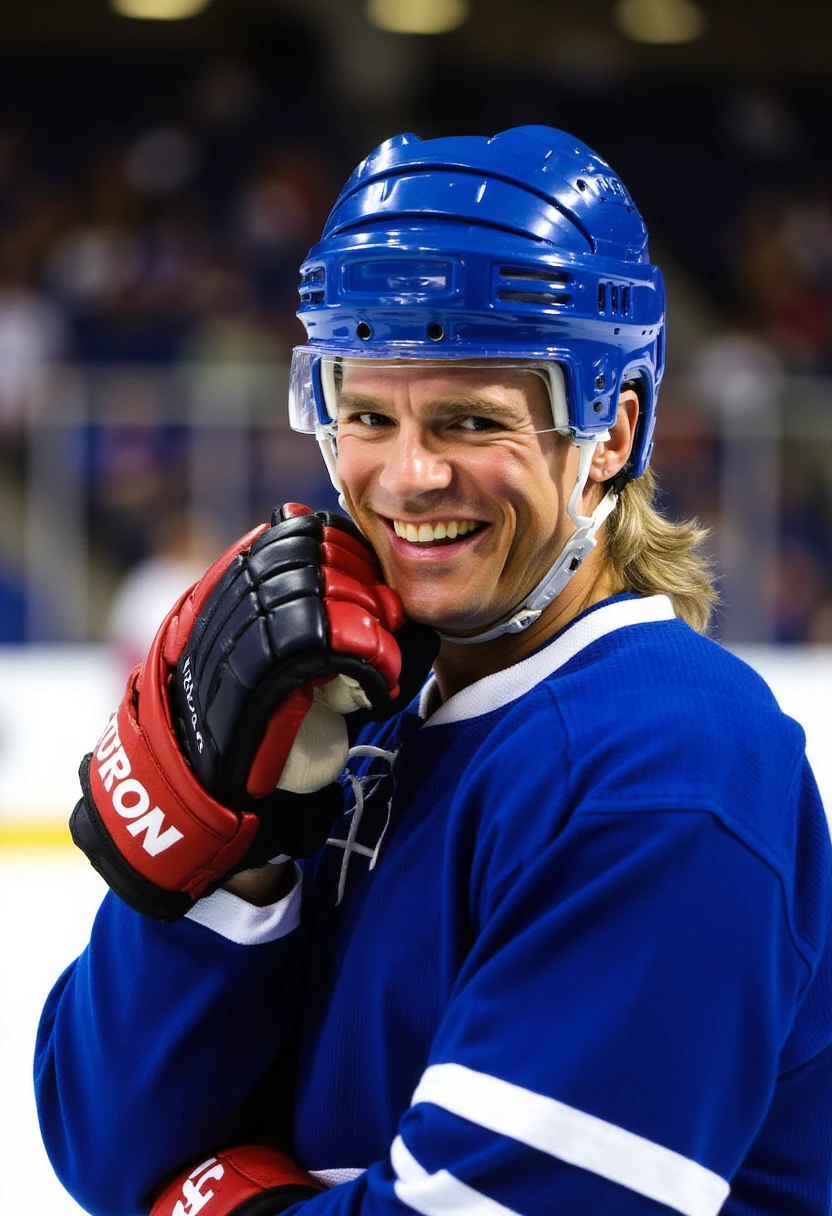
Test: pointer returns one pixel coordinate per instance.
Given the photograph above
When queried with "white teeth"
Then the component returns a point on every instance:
(422, 534)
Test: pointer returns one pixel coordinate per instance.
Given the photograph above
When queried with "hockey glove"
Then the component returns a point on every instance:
(255, 1180)
(226, 748)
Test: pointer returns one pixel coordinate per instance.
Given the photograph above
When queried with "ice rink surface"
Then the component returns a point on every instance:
(48, 900)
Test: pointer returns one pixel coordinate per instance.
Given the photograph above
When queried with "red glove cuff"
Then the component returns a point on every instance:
(220, 1185)
(161, 819)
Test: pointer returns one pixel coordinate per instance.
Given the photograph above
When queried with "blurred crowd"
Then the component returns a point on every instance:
(147, 287)
(174, 242)
(148, 275)
(748, 450)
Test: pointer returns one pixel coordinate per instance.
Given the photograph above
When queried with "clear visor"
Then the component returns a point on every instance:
(315, 382)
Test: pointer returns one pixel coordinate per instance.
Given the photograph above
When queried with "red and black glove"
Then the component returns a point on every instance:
(227, 746)
(254, 1180)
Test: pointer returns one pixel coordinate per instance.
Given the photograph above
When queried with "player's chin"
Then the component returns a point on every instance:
(448, 598)
(446, 615)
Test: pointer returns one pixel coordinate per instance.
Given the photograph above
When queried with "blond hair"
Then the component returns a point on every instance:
(651, 555)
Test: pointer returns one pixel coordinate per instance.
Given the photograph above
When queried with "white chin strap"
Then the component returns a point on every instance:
(325, 436)
(571, 557)
(580, 543)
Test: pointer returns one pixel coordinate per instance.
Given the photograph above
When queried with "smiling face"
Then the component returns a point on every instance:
(443, 471)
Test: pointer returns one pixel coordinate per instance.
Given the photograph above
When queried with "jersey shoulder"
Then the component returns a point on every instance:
(669, 715)
(680, 723)
(657, 718)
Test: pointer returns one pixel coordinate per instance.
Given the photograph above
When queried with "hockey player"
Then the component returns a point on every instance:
(558, 941)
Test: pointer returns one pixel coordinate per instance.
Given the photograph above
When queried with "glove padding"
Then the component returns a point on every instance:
(302, 604)
(288, 630)
(254, 1180)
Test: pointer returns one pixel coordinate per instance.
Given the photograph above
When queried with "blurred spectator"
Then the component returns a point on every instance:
(280, 214)
(288, 468)
(225, 96)
(798, 593)
(229, 327)
(94, 258)
(12, 608)
(91, 266)
(139, 465)
(33, 336)
(784, 272)
(162, 161)
(820, 633)
(686, 458)
(179, 556)
(738, 375)
(803, 586)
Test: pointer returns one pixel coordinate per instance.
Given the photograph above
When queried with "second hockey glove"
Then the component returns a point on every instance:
(254, 1180)
(225, 749)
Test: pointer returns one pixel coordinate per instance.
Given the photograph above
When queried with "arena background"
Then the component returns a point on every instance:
(160, 181)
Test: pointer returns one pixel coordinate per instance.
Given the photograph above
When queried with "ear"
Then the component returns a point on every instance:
(611, 455)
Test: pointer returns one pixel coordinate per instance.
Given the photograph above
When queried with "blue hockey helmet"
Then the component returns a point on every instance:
(525, 246)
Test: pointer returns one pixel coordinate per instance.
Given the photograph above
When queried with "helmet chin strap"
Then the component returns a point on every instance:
(580, 543)
(328, 445)
(571, 557)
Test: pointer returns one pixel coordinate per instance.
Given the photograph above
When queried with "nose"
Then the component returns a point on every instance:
(413, 465)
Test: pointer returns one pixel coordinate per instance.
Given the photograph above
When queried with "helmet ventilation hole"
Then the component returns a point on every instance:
(436, 332)
(363, 331)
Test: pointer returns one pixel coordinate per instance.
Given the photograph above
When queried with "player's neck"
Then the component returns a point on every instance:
(460, 665)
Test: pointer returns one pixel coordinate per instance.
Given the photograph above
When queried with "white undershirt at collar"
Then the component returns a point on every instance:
(506, 686)
(248, 924)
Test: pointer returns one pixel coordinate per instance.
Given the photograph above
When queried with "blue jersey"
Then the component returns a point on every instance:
(567, 951)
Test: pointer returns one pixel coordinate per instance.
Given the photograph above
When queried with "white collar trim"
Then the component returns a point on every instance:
(506, 686)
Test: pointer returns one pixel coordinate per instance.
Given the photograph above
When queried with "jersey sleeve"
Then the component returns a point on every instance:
(612, 1043)
(144, 1031)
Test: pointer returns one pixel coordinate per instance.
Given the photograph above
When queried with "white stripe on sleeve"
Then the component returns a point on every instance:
(576, 1137)
(438, 1194)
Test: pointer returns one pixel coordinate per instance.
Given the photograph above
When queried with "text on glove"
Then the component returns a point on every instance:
(129, 797)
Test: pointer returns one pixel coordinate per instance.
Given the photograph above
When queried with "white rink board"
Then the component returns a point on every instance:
(55, 701)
